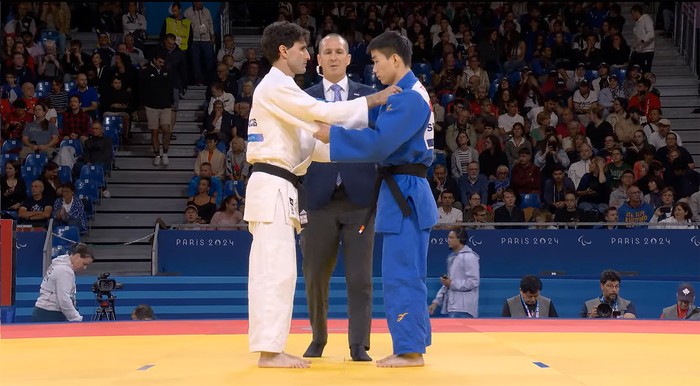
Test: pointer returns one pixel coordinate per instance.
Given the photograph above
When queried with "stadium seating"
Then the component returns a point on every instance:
(93, 173)
(11, 146)
(75, 143)
(64, 174)
(65, 235)
(37, 160)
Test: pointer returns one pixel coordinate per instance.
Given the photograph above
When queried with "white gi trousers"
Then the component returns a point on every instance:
(272, 280)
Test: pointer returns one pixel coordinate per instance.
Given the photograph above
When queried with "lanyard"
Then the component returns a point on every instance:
(613, 305)
(527, 309)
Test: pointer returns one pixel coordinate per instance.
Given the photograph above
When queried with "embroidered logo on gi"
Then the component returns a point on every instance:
(253, 123)
(401, 316)
(303, 217)
(292, 208)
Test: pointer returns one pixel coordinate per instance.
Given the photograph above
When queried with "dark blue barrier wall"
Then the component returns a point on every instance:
(658, 254)
(30, 247)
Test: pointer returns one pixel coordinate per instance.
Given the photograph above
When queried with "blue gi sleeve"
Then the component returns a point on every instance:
(405, 114)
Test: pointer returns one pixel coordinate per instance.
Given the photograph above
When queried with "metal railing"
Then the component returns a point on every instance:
(225, 21)
(685, 34)
(154, 251)
(48, 246)
(480, 225)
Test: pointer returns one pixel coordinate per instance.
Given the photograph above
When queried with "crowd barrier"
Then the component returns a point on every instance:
(572, 253)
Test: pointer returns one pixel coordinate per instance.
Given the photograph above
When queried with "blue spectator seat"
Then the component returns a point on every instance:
(355, 77)
(440, 159)
(494, 86)
(75, 143)
(87, 189)
(422, 71)
(37, 160)
(49, 35)
(30, 172)
(88, 206)
(93, 173)
(531, 200)
(64, 174)
(368, 74)
(67, 86)
(7, 157)
(514, 77)
(63, 233)
(113, 121)
(112, 132)
(231, 188)
(11, 146)
(221, 145)
(591, 74)
(59, 250)
(447, 99)
(42, 90)
(621, 74)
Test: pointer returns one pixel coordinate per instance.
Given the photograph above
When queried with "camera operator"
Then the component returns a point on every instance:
(609, 304)
(56, 301)
(459, 295)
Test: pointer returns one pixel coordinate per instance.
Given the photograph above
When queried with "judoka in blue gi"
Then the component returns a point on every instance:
(402, 145)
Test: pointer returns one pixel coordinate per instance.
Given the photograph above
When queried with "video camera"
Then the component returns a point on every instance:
(605, 311)
(105, 285)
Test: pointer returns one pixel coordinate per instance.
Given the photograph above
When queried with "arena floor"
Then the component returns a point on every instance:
(464, 352)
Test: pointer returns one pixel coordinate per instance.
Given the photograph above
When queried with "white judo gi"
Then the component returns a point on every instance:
(280, 133)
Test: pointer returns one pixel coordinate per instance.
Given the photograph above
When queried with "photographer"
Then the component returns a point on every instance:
(459, 295)
(529, 303)
(56, 301)
(609, 304)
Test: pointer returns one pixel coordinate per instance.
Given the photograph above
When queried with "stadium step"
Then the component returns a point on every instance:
(154, 206)
(146, 190)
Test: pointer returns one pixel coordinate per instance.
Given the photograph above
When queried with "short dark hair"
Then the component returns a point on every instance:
(530, 284)
(143, 312)
(277, 34)
(83, 250)
(609, 275)
(390, 43)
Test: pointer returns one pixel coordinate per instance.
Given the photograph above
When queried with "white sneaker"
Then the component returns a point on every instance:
(106, 194)
(156, 160)
(165, 159)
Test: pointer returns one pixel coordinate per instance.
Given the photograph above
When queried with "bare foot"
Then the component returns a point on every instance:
(281, 360)
(402, 360)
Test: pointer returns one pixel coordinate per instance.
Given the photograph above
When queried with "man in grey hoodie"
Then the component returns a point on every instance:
(56, 301)
(459, 295)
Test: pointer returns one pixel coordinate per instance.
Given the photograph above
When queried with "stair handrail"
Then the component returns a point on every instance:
(48, 246)
(225, 21)
(154, 251)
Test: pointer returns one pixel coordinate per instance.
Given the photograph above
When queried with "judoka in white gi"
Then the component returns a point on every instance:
(280, 148)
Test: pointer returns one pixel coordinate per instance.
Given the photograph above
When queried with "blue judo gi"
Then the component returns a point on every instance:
(403, 135)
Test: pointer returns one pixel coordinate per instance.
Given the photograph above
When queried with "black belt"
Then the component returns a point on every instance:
(295, 180)
(277, 172)
(387, 174)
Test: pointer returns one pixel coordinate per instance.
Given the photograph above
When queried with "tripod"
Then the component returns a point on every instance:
(106, 308)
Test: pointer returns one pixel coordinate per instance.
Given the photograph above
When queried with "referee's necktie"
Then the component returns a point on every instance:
(337, 98)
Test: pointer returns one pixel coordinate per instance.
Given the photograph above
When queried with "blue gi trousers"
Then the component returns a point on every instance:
(404, 268)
